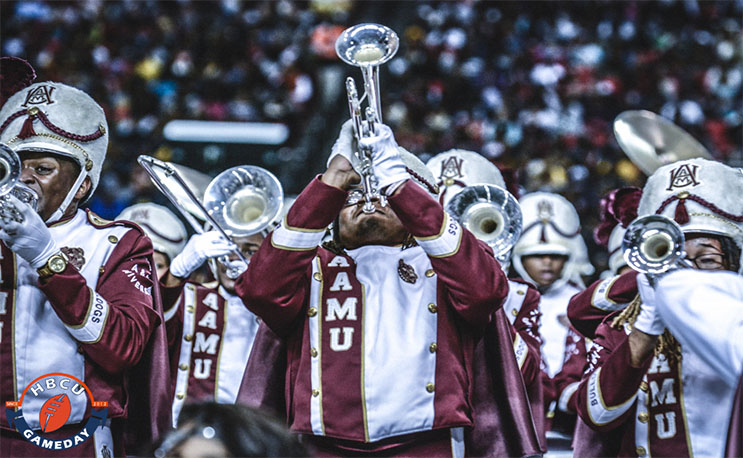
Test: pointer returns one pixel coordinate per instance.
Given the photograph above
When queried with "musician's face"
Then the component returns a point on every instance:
(544, 269)
(162, 262)
(247, 246)
(51, 176)
(705, 253)
(382, 227)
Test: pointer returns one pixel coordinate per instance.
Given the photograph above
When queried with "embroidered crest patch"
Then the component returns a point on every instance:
(683, 176)
(406, 272)
(38, 95)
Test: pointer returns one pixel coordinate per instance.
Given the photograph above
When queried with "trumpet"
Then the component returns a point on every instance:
(10, 184)
(654, 244)
(366, 46)
(239, 202)
(492, 214)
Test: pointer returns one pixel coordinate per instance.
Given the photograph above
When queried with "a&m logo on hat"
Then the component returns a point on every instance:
(683, 176)
(61, 392)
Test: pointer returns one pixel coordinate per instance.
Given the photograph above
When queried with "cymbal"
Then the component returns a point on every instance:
(651, 141)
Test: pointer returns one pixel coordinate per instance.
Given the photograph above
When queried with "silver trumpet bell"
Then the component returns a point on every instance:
(491, 213)
(244, 200)
(653, 244)
(10, 183)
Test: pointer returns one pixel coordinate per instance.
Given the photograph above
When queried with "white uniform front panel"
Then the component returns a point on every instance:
(398, 331)
(240, 328)
(554, 331)
(42, 342)
(707, 399)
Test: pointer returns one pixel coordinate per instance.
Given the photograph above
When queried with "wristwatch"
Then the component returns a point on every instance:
(56, 263)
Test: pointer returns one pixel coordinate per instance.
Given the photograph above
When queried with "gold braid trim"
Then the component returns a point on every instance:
(667, 344)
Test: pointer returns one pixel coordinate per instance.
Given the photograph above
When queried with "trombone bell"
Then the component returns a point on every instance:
(244, 200)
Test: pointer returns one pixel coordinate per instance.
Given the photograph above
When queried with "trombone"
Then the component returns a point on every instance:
(366, 46)
(239, 202)
(654, 244)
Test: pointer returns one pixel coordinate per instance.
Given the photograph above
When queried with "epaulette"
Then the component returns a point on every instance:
(97, 221)
(102, 223)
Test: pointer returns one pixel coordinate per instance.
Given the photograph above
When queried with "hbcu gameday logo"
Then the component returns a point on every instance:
(59, 390)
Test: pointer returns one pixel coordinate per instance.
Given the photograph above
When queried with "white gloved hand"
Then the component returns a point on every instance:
(388, 165)
(29, 239)
(344, 146)
(648, 321)
(199, 248)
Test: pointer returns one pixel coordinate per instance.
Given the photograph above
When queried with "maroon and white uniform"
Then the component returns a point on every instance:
(588, 308)
(661, 408)
(563, 357)
(210, 336)
(92, 321)
(522, 309)
(379, 339)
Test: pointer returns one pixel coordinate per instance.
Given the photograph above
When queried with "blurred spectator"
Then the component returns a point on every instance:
(533, 86)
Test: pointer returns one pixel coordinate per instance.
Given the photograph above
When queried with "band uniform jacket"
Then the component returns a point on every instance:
(563, 358)
(379, 339)
(210, 337)
(588, 308)
(96, 321)
(663, 408)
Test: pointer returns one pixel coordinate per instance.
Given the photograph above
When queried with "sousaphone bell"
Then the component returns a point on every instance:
(651, 141)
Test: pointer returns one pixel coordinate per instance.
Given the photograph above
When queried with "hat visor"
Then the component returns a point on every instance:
(543, 248)
(44, 147)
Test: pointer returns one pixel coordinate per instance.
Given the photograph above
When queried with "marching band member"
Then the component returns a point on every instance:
(589, 307)
(77, 290)
(167, 232)
(551, 255)
(655, 396)
(455, 169)
(380, 325)
(210, 332)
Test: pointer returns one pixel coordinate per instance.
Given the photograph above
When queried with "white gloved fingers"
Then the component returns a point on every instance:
(30, 238)
(647, 292)
(387, 162)
(199, 248)
(344, 145)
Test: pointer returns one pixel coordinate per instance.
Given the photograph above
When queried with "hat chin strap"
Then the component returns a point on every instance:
(60, 211)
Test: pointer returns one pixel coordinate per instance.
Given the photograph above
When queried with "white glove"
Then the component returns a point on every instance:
(199, 248)
(388, 165)
(648, 321)
(30, 239)
(344, 146)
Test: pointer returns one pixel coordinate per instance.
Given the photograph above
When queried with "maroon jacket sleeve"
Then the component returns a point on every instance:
(526, 328)
(608, 389)
(588, 308)
(114, 321)
(457, 257)
(276, 284)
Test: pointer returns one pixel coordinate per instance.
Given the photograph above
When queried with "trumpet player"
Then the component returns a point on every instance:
(77, 295)
(210, 332)
(381, 324)
(644, 391)
(167, 232)
(456, 169)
